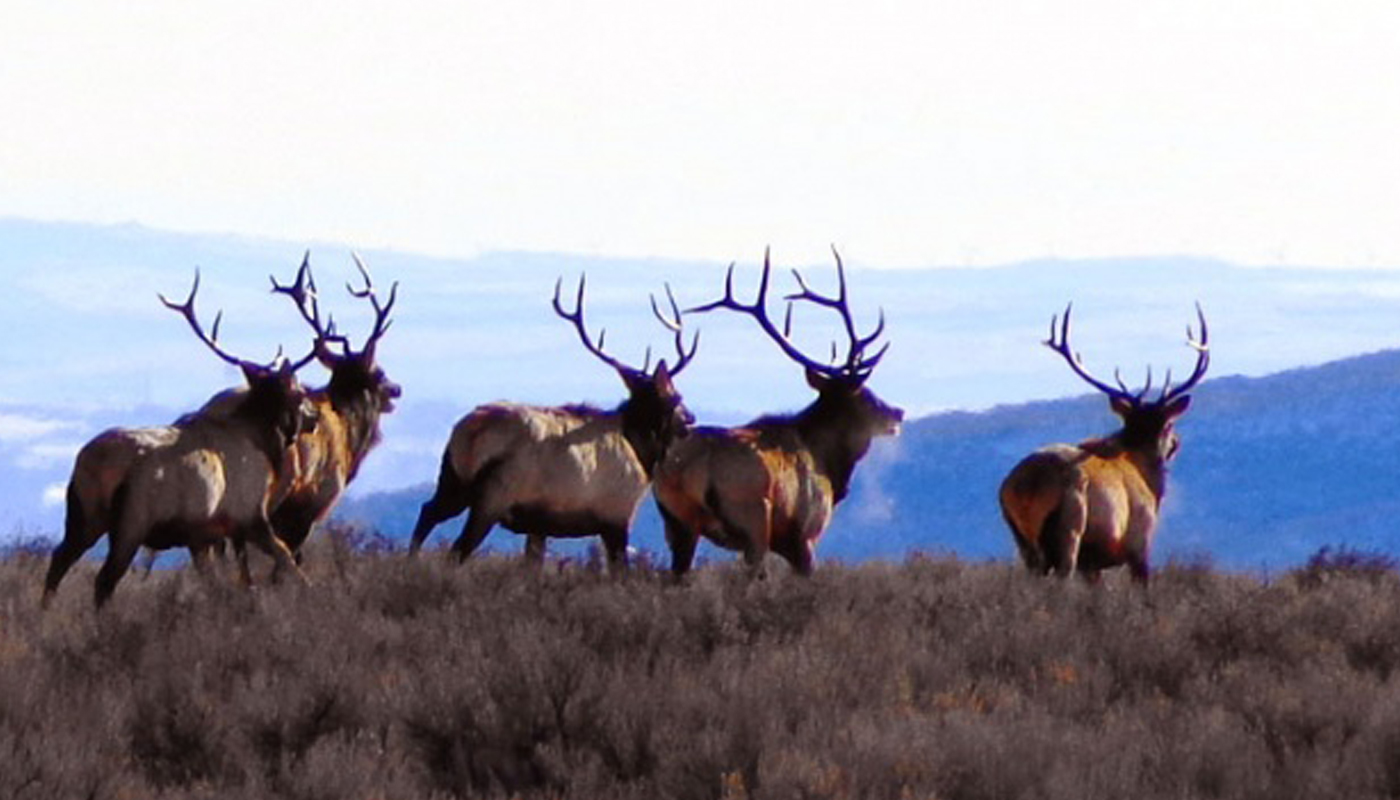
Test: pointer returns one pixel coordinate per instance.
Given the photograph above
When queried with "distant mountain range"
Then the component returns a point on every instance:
(1270, 470)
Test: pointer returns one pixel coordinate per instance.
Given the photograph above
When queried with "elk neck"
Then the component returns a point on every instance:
(836, 440)
(359, 414)
(644, 432)
(261, 420)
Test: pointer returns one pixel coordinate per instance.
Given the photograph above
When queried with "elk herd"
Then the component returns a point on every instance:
(264, 462)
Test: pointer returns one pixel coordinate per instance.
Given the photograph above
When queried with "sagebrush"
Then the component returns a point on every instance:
(398, 678)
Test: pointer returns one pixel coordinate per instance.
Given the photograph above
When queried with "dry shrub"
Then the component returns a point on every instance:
(1345, 562)
(395, 677)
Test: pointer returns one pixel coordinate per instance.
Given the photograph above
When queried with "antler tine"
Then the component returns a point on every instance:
(1117, 378)
(1072, 358)
(381, 312)
(728, 300)
(856, 363)
(1202, 348)
(674, 325)
(186, 310)
(759, 311)
(864, 342)
(303, 293)
(576, 317)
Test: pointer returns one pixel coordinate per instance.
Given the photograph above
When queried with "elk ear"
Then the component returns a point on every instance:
(252, 373)
(661, 379)
(816, 380)
(1178, 406)
(631, 378)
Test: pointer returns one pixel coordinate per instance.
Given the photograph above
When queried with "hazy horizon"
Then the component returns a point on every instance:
(939, 133)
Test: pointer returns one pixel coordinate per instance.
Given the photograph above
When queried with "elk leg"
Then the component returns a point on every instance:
(240, 552)
(119, 557)
(681, 541)
(1031, 553)
(535, 546)
(615, 545)
(81, 532)
(64, 556)
(293, 524)
(802, 557)
(474, 530)
(752, 525)
(199, 556)
(266, 539)
(1064, 532)
(1138, 568)
(449, 499)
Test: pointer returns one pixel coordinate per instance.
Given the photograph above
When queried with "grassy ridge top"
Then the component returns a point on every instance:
(933, 677)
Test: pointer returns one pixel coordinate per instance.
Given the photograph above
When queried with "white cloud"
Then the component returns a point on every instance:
(21, 428)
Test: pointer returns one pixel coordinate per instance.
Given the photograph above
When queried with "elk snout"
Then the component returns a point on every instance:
(888, 418)
(388, 393)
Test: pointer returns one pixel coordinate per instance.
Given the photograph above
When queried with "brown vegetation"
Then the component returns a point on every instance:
(392, 677)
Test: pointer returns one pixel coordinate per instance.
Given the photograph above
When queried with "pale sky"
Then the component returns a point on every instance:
(909, 133)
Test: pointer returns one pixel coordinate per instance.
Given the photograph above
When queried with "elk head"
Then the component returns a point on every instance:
(354, 373)
(843, 398)
(274, 393)
(1148, 423)
(654, 414)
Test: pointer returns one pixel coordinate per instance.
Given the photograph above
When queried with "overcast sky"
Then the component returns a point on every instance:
(909, 133)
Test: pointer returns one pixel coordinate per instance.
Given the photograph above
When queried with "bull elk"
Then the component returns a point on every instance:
(563, 471)
(1094, 505)
(771, 485)
(209, 476)
(100, 468)
(348, 408)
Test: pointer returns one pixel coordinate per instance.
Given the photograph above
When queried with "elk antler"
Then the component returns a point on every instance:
(1202, 348)
(1121, 392)
(1061, 346)
(856, 362)
(303, 293)
(674, 324)
(381, 312)
(211, 340)
(857, 366)
(576, 317)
